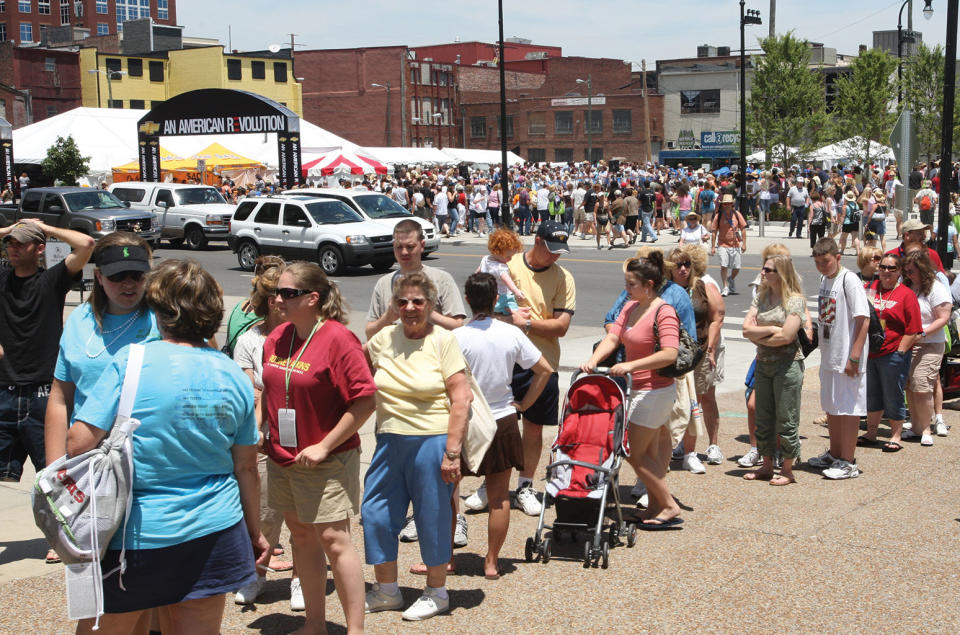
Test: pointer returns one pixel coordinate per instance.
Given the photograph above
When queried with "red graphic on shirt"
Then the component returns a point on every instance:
(828, 310)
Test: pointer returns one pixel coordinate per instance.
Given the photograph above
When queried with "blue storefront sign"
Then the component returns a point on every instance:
(719, 139)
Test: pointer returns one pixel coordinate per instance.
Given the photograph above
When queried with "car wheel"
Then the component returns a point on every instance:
(176, 243)
(247, 254)
(331, 260)
(194, 238)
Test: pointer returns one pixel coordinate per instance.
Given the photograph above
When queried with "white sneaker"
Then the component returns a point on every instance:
(409, 531)
(750, 459)
(714, 455)
(528, 501)
(426, 606)
(247, 594)
(941, 429)
(732, 285)
(296, 596)
(376, 600)
(908, 425)
(460, 533)
(825, 460)
(478, 500)
(693, 464)
(725, 292)
(841, 470)
(926, 440)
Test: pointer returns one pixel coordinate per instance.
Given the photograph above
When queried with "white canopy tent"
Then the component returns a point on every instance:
(409, 156)
(761, 156)
(850, 149)
(480, 157)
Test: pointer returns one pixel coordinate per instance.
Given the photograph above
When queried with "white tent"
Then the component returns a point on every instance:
(850, 149)
(483, 157)
(761, 156)
(109, 137)
(409, 156)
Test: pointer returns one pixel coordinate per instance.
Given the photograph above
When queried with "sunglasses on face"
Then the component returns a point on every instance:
(683, 265)
(289, 294)
(887, 267)
(136, 276)
(768, 270)
(417, 302)
(876, 258)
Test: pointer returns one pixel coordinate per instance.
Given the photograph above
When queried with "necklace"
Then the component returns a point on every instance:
(123, 328)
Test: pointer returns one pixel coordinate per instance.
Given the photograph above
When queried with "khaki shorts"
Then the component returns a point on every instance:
(705, 377)
(588, 217)
(680, 421)
(925, 366)
(327, 493)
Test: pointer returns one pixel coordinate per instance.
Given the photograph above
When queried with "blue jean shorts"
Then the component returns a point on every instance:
(887, 383)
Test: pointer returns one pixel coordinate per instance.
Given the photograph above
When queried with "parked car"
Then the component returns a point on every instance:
(188, 214)
(374, 206)
(327, 231)
(90, 211)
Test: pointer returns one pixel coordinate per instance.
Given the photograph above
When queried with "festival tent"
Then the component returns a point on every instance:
(481, 157)
(342, 164)
(850, 149)
(409, 156)
(761, 156)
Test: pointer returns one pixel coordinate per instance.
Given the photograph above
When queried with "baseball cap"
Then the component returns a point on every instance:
(25, 233)
(554, 236)
(122, 258)
(913, 225)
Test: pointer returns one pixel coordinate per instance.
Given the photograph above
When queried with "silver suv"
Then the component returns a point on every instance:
(328, 232)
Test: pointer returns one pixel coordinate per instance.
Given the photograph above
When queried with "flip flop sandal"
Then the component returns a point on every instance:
(660, 524)
(757, 476)
(52, 558)
(864, 441)
(892, 446)
(780, 481)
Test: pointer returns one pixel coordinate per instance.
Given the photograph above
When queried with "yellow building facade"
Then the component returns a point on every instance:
(143, 81)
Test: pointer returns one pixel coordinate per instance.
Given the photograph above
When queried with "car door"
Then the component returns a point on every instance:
(172, 226)
(297, 233)
(266, 226)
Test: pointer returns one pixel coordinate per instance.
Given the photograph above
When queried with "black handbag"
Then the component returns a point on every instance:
(689, 353)
(807, 344)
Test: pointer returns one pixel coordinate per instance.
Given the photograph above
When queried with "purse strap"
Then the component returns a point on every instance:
(131, 380)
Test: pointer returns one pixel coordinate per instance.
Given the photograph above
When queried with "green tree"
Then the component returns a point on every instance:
(64, 162)
(787, 105)
(922, 87)
(863, 104)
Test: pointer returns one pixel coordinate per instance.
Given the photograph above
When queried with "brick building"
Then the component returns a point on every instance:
(27, 21)
(38, 83)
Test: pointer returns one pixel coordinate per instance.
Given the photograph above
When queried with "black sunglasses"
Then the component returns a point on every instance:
(768, 270)
(888, 267)
(417, 302)
(289, 294)
(136, 276)
(685, 264)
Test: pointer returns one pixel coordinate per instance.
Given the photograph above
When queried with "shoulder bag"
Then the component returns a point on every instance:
(689, 352)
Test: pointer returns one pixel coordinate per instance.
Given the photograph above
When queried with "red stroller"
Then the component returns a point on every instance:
(584, 471)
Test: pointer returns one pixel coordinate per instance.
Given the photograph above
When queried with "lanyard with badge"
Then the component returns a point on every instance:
(287, 416)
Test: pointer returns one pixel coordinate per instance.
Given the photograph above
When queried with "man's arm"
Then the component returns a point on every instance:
(448, 322)
(556, 326)
(81, 244)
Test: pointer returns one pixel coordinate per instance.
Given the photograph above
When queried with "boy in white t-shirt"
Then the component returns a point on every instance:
(844, 320)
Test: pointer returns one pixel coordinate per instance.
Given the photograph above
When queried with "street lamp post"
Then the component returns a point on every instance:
(927, 13)
(946, 133)
(110, 75)
(751, 17)
(386, 86)
(589, 83)
(436, 117)
(505, 212)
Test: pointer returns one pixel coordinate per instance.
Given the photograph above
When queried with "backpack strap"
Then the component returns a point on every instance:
(130, 381)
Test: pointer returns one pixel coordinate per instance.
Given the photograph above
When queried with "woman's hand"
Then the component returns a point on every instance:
(620, 370)
(450, 469)
(312, 455)
(588, 366)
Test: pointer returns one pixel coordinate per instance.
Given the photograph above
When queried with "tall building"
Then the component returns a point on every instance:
(27, 21)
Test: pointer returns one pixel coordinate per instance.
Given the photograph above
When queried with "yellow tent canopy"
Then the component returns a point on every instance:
(215, 157)
(167, 160)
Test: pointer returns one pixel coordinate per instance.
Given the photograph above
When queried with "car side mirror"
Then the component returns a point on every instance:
(55, 209)
(126, 203)
(162, 204)
(303, 222)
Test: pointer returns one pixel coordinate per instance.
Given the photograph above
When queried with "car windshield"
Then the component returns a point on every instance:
(199, 196)
(380, 206)
(94, 199)
(332, 212)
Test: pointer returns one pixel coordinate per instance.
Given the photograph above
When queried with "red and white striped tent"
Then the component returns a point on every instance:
(340, 163)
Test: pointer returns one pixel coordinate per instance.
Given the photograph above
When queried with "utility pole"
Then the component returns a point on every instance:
(946, 136)
(646, 111)
(773, 18)
(589, 124)
(505, 195)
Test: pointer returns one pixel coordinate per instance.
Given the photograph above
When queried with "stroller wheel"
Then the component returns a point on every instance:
(529, 549)
(605, 556)
(631, 534)
(587, 555)
(546, 549)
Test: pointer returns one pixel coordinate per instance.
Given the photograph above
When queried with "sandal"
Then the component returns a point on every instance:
(780, 480)
(891, 446)
(421, 569)
(52, 557)
(758, 476)
(864, 441)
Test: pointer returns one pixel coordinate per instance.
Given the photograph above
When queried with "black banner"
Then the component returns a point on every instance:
(288, 155)
(6, 155)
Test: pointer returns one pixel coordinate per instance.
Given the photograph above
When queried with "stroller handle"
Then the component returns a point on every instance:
(605, 371)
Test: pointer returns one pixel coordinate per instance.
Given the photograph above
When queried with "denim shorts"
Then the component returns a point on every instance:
(887, 383)
(545, 409)
(22, 411)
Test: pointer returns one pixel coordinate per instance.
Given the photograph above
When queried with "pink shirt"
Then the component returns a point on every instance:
(638, 341)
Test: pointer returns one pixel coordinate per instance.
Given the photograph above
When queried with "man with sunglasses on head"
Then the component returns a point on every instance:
(729, 233)
(31, 322)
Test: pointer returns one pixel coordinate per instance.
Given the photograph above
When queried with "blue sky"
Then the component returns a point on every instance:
(598, 28)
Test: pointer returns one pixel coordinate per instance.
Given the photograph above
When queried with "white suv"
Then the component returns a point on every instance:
(328, 232)
(376, 207)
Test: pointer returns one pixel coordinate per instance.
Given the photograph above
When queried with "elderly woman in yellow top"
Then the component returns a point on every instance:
(422, 402)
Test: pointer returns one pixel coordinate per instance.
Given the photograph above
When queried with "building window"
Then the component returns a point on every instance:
(114, 103)
(114, 67)
(536, 123)
(43, 7)
(137, 104)
(623, 121)
(156, 71)
(258, 70)
(49, 64)
(593, 121)
(102, 7)
(478, 127)
(536, 155)
(26, 32)
(64, 12)
(51, 111)
(3, 31)
(699, 101)
(78, 8)
(234, 69)
(563, 155)
(597, 155)
(563, 122)
(163, 10)
(103, 28)
(24, 6)
(509, 126)
(3, 6)
(135, 67)
(280, 72)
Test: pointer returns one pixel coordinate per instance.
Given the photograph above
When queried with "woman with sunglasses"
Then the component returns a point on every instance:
(772, 323)
(887, 369)
(317, 392)
(694, 233)
(114, 315)
(867, 261)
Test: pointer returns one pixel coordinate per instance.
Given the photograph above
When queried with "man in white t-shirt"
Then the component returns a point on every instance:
(844, 316)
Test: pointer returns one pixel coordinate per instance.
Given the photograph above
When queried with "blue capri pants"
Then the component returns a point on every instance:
(406, 469)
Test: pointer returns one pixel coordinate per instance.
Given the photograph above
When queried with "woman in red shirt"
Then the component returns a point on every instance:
(652, 394)
(317, 392)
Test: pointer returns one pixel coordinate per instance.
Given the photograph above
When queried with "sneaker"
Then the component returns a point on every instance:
(528, 501)
(714, 455)
(825, 460)
(248, 593)
(725, 292)
(678, 452)
(460, 533)
(941, 429)
(750, 459)
(926, 440)
(376, 600)
(692, 463)
(409, 531)
(841, 470)
(296, 596)
(907, 425)
(478, 500)
(426, 606)
(732, 285)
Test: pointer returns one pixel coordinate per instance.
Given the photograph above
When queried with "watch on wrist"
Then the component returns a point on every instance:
(452, 455)
(526, 327)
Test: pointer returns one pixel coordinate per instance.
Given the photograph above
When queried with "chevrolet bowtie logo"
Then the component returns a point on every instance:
(149, 127)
